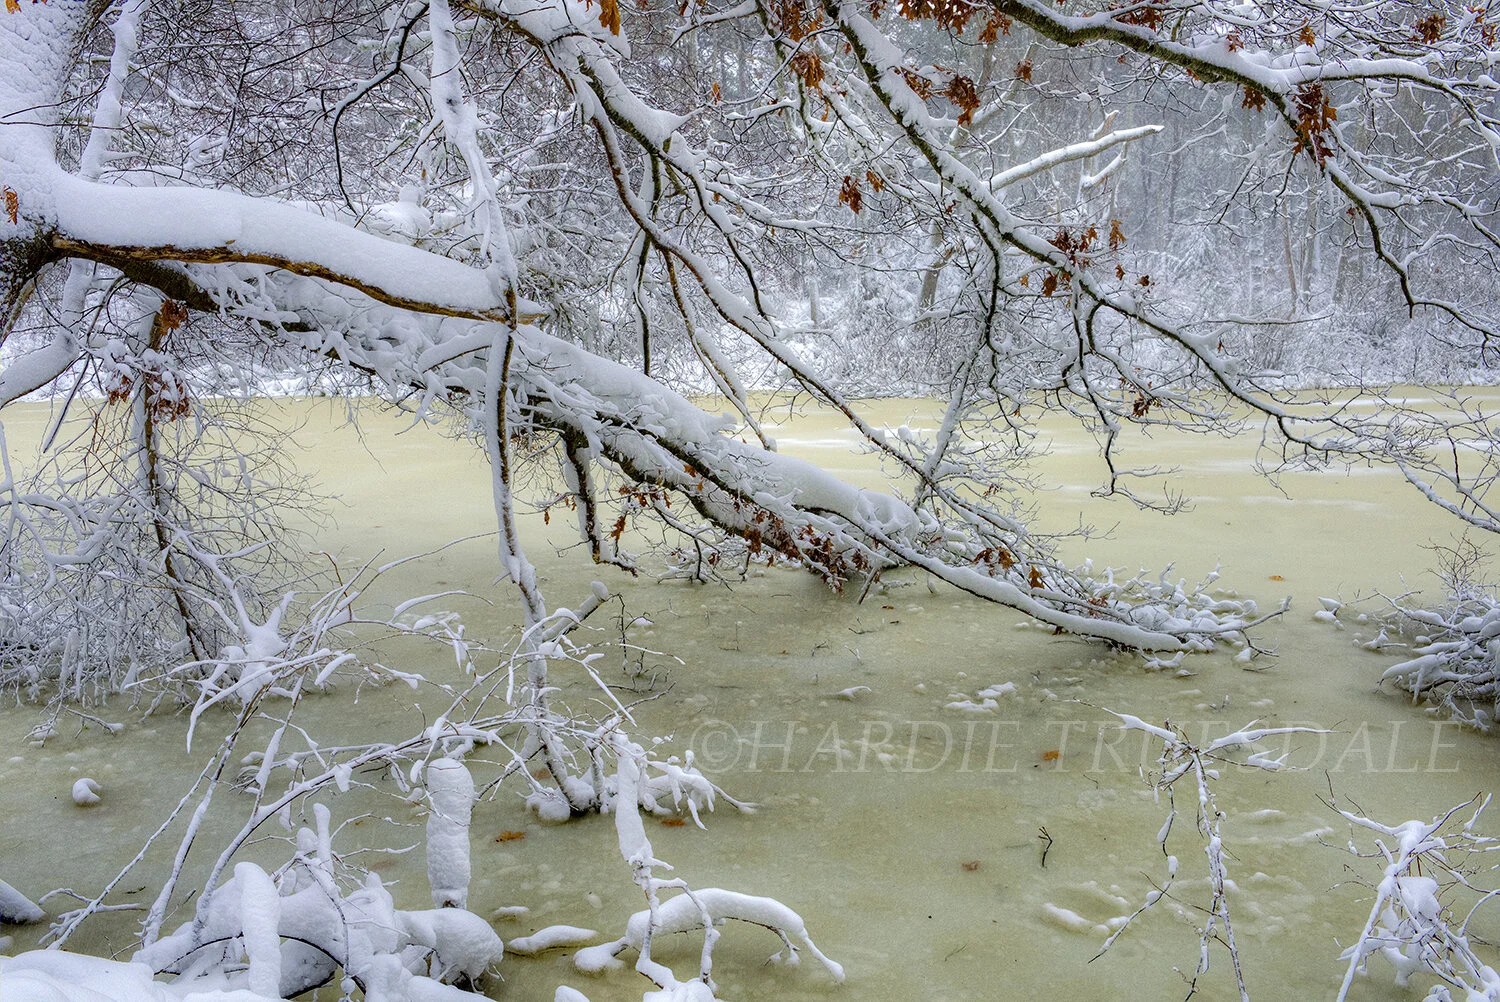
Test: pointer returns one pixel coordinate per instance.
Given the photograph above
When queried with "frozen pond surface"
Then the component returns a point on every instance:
(905, 830)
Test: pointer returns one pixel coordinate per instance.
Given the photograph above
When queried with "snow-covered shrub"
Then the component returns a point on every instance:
(135, 547)
(1455, 643)
(264, 936)
(1181, 758)
(1434, 883)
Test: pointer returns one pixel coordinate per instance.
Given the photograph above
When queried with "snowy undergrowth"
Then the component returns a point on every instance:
(1437, 876)
(1454, 643)
(321, 917)
(1449, 644)
(1436, 879)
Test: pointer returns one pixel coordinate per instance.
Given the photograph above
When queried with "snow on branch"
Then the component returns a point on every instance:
(1181, 758)
(115, 225)
(691, 910)
(1410, 923)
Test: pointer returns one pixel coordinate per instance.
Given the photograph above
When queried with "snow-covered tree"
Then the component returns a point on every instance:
(553, 217)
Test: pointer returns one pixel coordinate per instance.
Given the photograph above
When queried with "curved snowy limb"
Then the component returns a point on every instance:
(659, 438)
(688, 912)
(703, 909)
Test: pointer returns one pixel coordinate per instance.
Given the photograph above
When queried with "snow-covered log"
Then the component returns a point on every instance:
(551, 938)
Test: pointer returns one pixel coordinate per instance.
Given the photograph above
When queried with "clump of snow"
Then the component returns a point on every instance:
(1326, 616)
(450, 794)
(970, 706)
(86, 792)
(549, 805)
(550, 938)
(986, 700)
(1063, 918)
(461, 943)
(17, 908)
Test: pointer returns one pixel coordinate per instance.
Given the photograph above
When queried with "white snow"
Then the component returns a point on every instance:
(56, 976)
(450, 792)
(550, 938)
(86, 792)
(16, 907)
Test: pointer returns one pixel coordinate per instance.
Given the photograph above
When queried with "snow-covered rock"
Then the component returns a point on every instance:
(550, 938)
